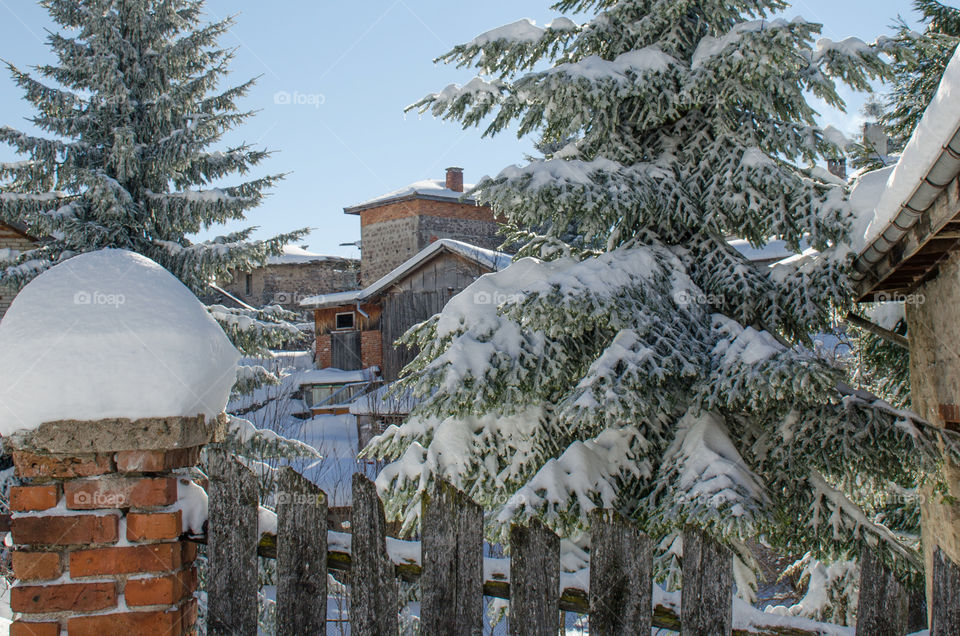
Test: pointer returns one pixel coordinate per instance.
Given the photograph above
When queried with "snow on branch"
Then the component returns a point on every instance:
(704, 477)
(846, 517)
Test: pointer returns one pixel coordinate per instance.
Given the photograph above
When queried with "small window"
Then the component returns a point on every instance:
(345, 320)
(248, 286)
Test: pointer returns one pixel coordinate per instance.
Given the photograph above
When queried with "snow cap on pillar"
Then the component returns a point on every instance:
(110, 334)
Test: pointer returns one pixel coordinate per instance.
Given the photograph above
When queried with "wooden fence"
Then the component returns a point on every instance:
(454, 576)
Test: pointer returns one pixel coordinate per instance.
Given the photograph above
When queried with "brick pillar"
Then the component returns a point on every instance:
(324, 351)
(98, 541)
(371, 348)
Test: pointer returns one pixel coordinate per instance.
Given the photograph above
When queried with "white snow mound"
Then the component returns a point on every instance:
(110, 334)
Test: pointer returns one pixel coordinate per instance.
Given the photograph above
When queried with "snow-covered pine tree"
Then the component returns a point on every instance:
(921, 59)
(639, 361)
(134, 113)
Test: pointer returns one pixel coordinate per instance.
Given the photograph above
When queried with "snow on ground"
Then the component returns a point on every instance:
(110, 334)
(335, 437)
(277, 411)
(937, 128)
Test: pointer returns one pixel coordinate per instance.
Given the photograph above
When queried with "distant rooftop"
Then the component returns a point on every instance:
(449, 189)
(295, 254)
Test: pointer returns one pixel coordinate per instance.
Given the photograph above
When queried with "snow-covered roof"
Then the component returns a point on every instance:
(835, 136)
(110, 334)
(426, 189)
(330, 300)
(927, 165)
(337, 376)
(489, 259)
(774, 250)
(295, 254)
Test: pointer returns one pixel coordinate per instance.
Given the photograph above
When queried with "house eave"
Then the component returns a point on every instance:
(927, 228)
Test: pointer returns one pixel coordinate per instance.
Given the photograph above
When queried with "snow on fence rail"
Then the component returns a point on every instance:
(617, 591)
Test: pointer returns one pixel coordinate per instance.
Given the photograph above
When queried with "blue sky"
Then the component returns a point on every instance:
(349, 69)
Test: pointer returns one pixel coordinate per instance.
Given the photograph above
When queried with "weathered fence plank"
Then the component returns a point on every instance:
(534, 580)
(882, 608)
(374, 589)
(301, 556)
(945, 613)
(621, 576)
(706, 605)
(232, 546)
(452, 579)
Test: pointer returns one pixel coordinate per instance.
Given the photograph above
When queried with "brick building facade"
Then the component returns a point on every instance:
(12, 241)
(396, 226)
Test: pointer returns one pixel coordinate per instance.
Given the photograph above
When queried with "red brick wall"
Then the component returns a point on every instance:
(121, 528)
(324, 351)
(371, 348)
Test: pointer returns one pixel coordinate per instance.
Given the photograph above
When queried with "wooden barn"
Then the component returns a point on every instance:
(357, 329)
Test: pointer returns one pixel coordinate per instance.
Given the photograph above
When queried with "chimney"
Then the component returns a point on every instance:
(838, 167)
(455, 179)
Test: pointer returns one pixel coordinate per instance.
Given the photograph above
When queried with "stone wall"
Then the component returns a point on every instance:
(392, 233)
(386, 245)
(473, 231)
(287, 284)
(934, 333)
(13, 240)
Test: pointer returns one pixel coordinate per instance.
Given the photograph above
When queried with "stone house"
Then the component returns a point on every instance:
(357, 329)
(397, 225)
(286, 280)
(12, 241)
(907, 239)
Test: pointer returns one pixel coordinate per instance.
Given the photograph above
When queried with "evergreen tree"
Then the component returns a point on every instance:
(921, 59)
(637, 360)
(134, 112)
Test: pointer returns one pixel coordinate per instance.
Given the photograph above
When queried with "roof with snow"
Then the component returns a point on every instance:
(774, 250)
(296, 255)
(903, 227)
(337, 376)
(435, 189)
(490, 260)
